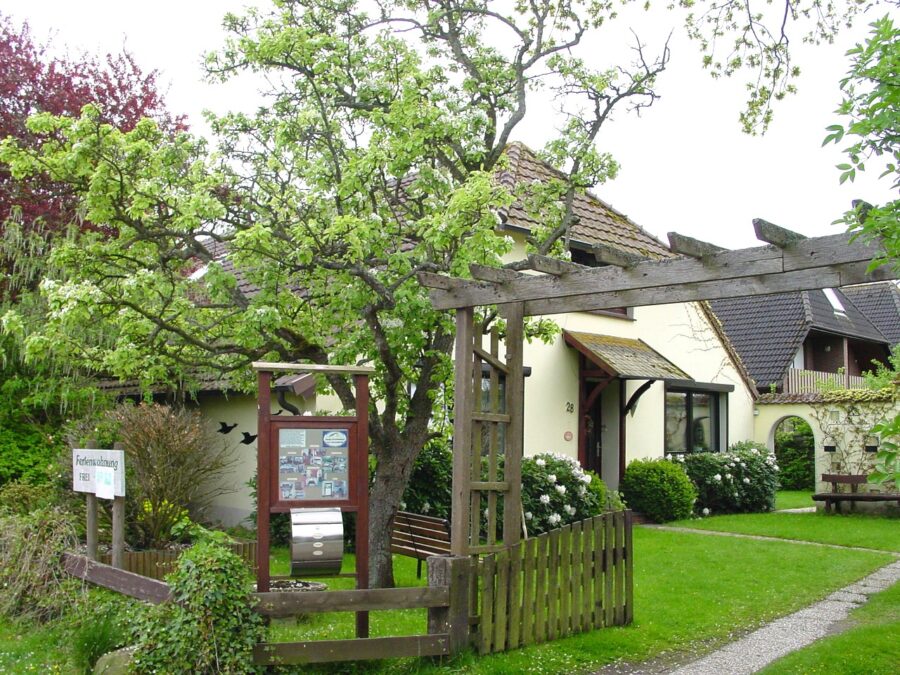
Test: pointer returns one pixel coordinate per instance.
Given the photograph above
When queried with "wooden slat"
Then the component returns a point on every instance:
(629, 569)
(498, 275)
(515, 405)
(607, 255)
(846, 479)
(587, 572)
(462, 434)
(420, 550)
(575, 578)
(553, 586)
(815, 253)
(493, 439)
(413, 529)
(501, 418)
(326, 651)
(552, 266)
(432, 280)
(501, 599)
(565, 579)
(608, 570)
(421, 520)
(541, 588)
(694, 248)
(127, 583)
(492, 360)
(514, 620)
(490, 486)
(619, 518)
(312, 368)
(775, 235)
(282, 604)
(529, 553)
(486, 625)
(598, 614)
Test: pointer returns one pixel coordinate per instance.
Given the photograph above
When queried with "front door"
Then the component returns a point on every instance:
(592, 431)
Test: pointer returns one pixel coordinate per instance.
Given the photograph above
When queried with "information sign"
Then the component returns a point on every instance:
(99, 472)
(313, 464)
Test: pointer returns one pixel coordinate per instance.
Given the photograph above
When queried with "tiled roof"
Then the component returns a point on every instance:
(881, 305)
(765, 330)
(598, 222)
(851, 323)
(629, 359)
(776, 399)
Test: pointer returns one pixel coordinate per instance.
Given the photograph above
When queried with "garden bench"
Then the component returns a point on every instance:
(854, 481)
(419, 536)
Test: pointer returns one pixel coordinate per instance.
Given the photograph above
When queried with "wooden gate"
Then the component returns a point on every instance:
(566, 581)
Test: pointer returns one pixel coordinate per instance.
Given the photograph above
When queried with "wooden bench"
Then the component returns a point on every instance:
(419, 536)
(854, 481)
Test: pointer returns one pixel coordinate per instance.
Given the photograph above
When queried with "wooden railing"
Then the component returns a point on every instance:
(798, 381)
(563, 582)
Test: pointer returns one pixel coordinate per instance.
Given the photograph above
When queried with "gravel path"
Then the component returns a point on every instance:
(790, 633)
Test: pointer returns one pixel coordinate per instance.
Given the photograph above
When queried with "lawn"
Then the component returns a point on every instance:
(881, 533)
(691, 592)
(793, 499)
(870, 647)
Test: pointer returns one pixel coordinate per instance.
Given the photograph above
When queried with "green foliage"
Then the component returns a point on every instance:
(31, 574)
(279, 523)
(97, 635)
(885, 376)
(430, 485)
(742, 480)
(174, 466)
(20, 499)
(556, 491)
(659, 489)
(209, 626)
(795, 454)
(28, 441)
(887, 460)
(871, 91)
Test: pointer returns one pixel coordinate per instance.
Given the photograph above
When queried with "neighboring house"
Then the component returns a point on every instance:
(614, 386)
(880, 303)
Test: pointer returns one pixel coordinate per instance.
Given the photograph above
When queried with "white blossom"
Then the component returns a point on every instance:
(586, 478)
(561, 489)
(717, 477)
(528, 515)
(728, 476)
(551, 477)
(426, 507)
(540, 462)
(569, 509)
(747, 481)
(554, 518)
(706, 511)
(545, 499)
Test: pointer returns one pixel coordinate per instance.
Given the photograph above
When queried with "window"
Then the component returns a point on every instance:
(693, 421)
(835, 302)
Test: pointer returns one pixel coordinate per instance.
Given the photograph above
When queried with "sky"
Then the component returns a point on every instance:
(686, 165)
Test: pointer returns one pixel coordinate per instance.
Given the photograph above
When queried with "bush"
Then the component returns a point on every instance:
(795, 452)
(174, 465)
(430, 484)
(658, 489)
(743, 480)
(31, 572)
(556, 491)
(209, 627)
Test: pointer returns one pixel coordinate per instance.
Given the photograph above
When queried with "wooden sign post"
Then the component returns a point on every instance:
(101, 475)
(313, 462)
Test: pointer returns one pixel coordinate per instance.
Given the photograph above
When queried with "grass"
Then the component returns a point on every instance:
(793, 499)
(29, 649)
(691, 592)
(866, 531)
(870, 647)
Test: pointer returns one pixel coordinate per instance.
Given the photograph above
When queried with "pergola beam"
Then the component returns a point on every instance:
(819, 253)
(693, 248)
(552, 266)
(774, 234)
(498, 275)
(607, 255)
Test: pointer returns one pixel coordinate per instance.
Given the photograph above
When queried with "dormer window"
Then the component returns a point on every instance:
(836, 303)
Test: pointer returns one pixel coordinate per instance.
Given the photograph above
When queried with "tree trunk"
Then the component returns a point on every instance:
(394, 469)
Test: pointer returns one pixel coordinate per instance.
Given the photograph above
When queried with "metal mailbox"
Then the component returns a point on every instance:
(317, 542)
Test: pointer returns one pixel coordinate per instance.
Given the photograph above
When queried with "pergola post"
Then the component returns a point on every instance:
(462, 432)
(515, 408)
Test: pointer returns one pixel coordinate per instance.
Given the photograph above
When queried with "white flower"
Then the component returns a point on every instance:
(540, 462)
(717, 477)
(561, 489)
(426, 507)
(554, 518)
(728, 476)
(585, 478)
(705, 511)
(545, 499)
(569, 509)
(403, 505)
(754, 451)
(581, 490)
(747, 481)
(551, 477)
(528, 515)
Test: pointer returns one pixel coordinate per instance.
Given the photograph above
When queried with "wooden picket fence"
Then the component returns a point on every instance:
(566, 581)
(156, 564)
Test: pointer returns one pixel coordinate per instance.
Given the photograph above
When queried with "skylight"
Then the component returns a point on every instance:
(836, 304)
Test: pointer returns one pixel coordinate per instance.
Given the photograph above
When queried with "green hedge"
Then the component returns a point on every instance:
(658, 489)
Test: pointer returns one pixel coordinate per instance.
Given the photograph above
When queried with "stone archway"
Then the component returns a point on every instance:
(793, 440)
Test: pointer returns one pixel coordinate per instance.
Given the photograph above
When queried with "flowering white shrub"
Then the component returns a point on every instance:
(557, 491)
(743, 480)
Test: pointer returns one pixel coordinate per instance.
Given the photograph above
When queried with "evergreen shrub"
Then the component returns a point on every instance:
(556, 491)
(795, 452)
(659, 489)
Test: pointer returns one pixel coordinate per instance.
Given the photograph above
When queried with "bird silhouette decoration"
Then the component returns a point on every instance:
(226, 428)
(248, 438)
(277, 413)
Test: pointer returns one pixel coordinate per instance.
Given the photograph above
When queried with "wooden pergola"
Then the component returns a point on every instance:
(488, 428)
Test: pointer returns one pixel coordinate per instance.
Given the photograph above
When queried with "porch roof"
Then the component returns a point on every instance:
(625, 358)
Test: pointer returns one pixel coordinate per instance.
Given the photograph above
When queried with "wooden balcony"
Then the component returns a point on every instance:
(810, 381)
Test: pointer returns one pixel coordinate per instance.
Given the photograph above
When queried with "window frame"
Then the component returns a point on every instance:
(718, 396)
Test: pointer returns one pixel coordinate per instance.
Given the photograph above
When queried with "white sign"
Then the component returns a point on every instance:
(100, 472)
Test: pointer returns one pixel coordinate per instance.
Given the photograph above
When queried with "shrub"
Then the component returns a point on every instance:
(31, 573)
(430, 484)
(659, 489)
(557, 491)
(795, 452)
(97, 635)
(174, 464)
(18, 498)
(743, 480)
(209, 627)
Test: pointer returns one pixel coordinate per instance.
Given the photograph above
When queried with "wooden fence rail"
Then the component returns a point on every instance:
(156, 564)
(565, 581)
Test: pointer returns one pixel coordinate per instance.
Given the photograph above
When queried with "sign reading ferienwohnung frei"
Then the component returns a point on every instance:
(99, 472)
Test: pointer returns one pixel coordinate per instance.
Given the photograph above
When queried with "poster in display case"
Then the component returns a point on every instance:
(313, 464)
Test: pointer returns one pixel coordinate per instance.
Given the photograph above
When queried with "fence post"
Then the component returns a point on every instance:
(452, 571)
(118, 527)
(92, 530)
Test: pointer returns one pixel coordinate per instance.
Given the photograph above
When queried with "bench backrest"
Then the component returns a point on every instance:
(853, 480)
(420, 536)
